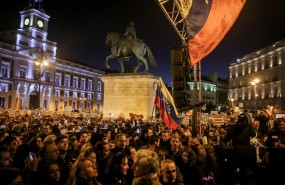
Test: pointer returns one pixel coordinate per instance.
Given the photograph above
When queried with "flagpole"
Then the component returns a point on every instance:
(194, 101)
(153, 108)
(154, 105)
(200, 98)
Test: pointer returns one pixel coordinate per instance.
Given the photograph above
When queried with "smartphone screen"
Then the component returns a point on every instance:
(31, 156)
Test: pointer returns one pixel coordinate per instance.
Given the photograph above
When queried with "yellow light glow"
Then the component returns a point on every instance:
(255, 81)
(45, 63)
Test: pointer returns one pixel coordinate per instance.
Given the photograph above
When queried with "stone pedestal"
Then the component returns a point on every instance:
(129, 93)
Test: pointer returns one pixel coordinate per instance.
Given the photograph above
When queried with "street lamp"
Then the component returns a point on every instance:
(41, 63)
(254, 83)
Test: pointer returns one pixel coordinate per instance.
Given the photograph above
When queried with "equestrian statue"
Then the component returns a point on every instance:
(126, 46)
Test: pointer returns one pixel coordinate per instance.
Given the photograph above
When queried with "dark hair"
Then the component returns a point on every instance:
(72, 137)
(114, 164)
(135, 134)
(145, 130)
(59, 138)
(87, 152)
(8, 175)
(107, 130)
(243, 119)
(45, 168)
(22, 152)
(99, 146)
(8, 140)
(152, 139)
(3, 149)
(48, 124)
(192, 156)
(127, 150)
(33, 144)
(277, 121)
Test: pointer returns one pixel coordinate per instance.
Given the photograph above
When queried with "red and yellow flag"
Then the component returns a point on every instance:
(207, 23)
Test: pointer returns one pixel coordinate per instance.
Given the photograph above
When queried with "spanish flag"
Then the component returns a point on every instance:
(207, 23)
(165, 103)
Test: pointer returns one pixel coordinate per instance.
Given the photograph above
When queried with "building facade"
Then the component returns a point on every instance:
(26, 82)
(213, 91)
(257, 81)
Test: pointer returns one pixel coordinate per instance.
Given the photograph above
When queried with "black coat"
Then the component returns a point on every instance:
(240, 135)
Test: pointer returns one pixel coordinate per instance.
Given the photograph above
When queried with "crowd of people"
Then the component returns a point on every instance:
(61, 150)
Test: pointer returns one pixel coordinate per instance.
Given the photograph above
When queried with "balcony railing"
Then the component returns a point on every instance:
(34, 80)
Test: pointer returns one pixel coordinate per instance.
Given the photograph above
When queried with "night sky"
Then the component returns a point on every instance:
(79, 28)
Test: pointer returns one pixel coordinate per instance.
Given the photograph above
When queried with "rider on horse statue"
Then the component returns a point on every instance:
(129, 36)
(127, 46)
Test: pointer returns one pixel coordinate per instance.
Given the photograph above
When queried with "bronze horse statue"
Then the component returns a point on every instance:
(123, 49)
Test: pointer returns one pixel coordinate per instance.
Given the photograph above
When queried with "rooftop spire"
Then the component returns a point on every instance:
(37, 4)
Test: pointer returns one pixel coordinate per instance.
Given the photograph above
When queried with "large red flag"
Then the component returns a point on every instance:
(207, 23)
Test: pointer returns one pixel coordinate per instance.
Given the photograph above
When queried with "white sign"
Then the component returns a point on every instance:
(204, 119)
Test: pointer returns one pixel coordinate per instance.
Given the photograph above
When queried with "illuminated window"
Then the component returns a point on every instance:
(74, 95)
(99, 87)
(75, 82)
(37, 74)
(90, 84)
(23, 71)
(5, 70)
(82, 95)
(57, 93)
(3, 87)
(67, 81)
(66, 94)
(98, 97)
(82, 83)
(57, 79)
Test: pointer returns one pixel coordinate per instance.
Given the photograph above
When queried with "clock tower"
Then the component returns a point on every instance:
(33, 29)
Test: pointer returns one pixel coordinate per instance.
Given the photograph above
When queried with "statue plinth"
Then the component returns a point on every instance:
(129, 68)
(126, 93)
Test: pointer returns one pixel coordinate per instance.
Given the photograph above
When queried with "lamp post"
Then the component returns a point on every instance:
(40, 62)
(254, 83)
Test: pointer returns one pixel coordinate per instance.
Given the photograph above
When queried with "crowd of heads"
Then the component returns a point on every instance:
(61, 150)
